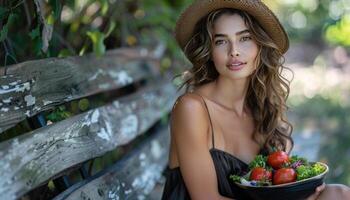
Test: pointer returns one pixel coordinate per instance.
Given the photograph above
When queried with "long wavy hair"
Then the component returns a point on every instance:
(268, 90)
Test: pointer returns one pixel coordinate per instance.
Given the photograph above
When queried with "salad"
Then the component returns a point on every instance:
(278, 168)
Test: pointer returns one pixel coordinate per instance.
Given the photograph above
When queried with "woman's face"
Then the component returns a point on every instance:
(234, 51)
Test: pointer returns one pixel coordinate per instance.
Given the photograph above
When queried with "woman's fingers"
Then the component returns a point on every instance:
(318, 191)
(321, 187)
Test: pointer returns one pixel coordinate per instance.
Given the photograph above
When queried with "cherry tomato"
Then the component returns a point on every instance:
(277, 159)
(260, 174)
(284, 175)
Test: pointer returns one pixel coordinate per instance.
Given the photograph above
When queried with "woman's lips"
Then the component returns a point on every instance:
(236, 67)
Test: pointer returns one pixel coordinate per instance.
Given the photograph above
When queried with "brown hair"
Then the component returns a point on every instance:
(268, 90)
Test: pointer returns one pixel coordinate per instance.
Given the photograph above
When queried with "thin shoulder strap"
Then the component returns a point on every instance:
(211, 125)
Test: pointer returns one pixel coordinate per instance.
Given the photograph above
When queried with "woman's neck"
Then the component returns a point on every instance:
(231, 94)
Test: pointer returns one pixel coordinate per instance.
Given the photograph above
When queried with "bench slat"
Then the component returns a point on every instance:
(35, 86)
(52, 149)
(132, 178)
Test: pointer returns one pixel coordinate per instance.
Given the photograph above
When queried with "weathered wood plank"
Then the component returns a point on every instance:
(34, 86)
(132, 178)
(50, 150)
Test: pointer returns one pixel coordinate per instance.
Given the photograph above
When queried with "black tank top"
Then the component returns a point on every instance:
(225, 165)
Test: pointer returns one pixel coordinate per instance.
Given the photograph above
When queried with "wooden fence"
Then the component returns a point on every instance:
(139, 97)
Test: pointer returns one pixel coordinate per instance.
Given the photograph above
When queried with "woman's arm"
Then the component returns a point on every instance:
(189, 127)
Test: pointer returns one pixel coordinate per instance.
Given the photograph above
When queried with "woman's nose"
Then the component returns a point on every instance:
(234, 51)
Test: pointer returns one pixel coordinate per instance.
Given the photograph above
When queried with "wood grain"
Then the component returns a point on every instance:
(33, 158)
(35, 86)
(132, 178)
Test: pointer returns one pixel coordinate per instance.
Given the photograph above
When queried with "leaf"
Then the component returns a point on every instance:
(83, 104)
(59, 114)
(56, 8)
(97, 39)
(35, 32)
(12, 18)
(5, 29)
(110, 28)
(104, 7)
(3, 33)
(37, 44)
(64, 53)
(50, 19)
(131, 40)
(83, 49)
(51, 185)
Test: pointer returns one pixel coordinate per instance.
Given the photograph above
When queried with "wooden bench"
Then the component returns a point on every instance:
(132, 120)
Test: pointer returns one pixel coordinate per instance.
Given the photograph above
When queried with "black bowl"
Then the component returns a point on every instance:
(289, 191)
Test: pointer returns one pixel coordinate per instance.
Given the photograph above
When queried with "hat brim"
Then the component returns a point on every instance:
(266, 18)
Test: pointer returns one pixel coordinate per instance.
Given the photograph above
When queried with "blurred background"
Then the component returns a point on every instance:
(319, 56)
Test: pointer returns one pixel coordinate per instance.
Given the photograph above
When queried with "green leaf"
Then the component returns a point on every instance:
(64, 53)
(51, 185)
(50, 19)
(259, 161)
(110, 28)
(37, 42)
(59, 114)
(97, 39)
(35, 32)
(104, 7)
(5, 29)
(83, 104)
(235, 178)
(3, 33)
(12, 18)
(56, 8)
(83, 49)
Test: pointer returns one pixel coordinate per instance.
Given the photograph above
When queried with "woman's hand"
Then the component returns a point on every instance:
(318, 191)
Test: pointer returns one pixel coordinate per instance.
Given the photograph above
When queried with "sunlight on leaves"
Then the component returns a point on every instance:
(97, 39)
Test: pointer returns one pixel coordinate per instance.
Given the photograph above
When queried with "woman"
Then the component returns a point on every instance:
(235, 101)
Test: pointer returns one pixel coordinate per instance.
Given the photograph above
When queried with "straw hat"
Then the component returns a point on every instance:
(200, 8)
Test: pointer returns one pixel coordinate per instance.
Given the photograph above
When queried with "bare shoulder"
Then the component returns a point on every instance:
(188, 102)
(188, 115)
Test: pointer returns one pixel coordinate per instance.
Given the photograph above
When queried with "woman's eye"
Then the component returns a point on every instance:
(246, 38)
(218, 42)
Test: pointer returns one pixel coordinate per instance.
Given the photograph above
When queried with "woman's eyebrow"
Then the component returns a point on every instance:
(238, 33)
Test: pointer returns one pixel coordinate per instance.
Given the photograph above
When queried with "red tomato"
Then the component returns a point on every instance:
(260, 174)
(284, 175)
(277, 159)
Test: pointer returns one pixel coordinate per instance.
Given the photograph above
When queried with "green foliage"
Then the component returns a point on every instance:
(89, 26)
(83, 104)
(58, 114)
(308, 171)
(259, 161)
(5, 28)
(35, 33)
(97, 39)
(235, 178)
(104, 7)
(64, 53)
(318, 15)
(339, 32)
(295, 158)
(56, 8)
